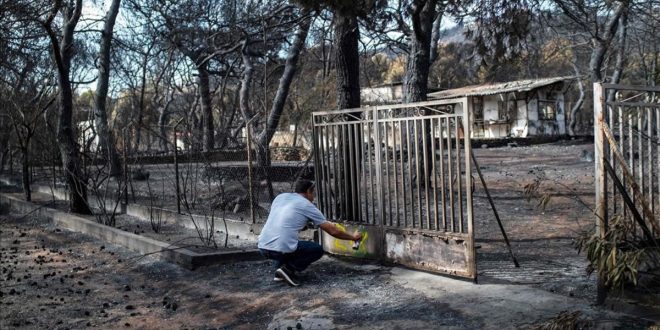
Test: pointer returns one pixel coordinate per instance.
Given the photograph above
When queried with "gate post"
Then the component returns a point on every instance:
(467, 141)
(379, 182)
(600, 179)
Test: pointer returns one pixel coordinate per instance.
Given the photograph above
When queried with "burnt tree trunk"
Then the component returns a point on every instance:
(162, 121)
(290, 67)
(347, 63)
(419, 58)
(602, 43)
(63, 52)
(572, 126)
(106, 136)
(208, 141)
(25, 162)
(141, 103)
(422, 48)
(621, 49)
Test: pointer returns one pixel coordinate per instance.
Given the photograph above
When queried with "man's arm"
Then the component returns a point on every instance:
(330, 228)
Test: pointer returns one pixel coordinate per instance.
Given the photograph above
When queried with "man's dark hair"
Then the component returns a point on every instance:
(303, 185)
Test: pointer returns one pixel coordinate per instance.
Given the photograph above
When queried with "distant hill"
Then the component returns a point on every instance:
(454, 34)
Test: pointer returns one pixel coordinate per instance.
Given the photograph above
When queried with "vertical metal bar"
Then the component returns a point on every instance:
(316, 151)
(404, 169)
(322, 140)
(364, 202)
(649, 145)
(467, 127)
(610, 118)
(622, 145)
(443, 189)
(351, 171)
(329, 155)
(358, 175)
(337, 175)
(378, 168)
(409, 170)
(402, 175)
(631, 147)
(340, 172)
(176, 173)
(370, 150)
(426, 179)
(359, 139)
(640, 151)
(345, 160)
(435, 175)
(395, 154)
(319, 160)
(657, 151)
(386, 182)
(459, 175)
(417, 177)
(450, 177)
(357, 182)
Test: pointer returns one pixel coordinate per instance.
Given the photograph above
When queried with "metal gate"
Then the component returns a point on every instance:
(627, 155)
(401, 175)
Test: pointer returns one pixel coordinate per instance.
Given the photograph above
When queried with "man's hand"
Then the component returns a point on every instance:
(333, 230)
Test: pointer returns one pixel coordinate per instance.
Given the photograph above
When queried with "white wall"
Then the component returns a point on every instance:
(561, 113)
(519, 127)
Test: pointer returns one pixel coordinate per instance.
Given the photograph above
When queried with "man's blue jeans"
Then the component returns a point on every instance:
(298, 260)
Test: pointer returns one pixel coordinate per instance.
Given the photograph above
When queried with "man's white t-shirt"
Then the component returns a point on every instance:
(289, 213)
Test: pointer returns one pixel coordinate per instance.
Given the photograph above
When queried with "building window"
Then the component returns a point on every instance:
(547, 110)
(506, 109)
(478, 110)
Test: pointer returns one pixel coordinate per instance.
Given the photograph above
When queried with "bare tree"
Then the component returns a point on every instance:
(105, 135)
(63, 50)
(273, 120)
(600, 21)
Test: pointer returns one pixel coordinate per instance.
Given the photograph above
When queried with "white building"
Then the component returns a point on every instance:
(522, 108)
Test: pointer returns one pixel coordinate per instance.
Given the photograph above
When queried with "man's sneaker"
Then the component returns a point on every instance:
(287, 276)
(277, 278)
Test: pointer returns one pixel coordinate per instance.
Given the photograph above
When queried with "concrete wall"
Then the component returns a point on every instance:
(520, 127)
(137, 243)
(539, 127)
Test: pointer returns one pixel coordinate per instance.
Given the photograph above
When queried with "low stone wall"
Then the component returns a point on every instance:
(237, 228)
(137, 243)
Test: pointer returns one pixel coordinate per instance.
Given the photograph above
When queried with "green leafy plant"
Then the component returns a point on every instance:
(618, 255)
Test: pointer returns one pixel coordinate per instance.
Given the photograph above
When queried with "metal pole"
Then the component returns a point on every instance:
(125, 170)
(176, 170)
(492, 205)
(11, 161)
(249, 157)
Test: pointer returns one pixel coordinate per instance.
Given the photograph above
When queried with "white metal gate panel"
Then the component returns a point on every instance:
(399, 173)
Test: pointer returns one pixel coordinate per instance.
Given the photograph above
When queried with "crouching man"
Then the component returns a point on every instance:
(289, 214)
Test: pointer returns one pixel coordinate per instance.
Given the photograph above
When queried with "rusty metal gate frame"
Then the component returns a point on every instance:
(626, 141)
(409, 195)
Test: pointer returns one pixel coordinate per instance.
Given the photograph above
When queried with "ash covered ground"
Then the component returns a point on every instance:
(53, 278)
